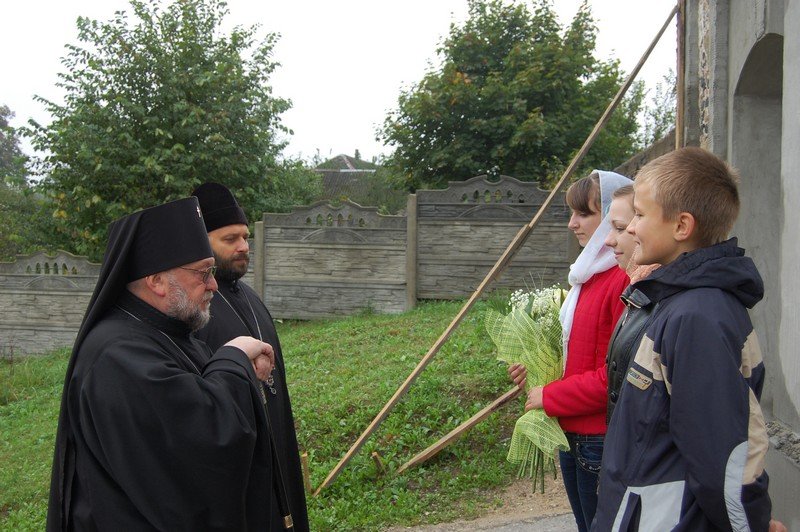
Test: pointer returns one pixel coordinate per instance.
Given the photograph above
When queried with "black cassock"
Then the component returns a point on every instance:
(158, 434)
(236, 310)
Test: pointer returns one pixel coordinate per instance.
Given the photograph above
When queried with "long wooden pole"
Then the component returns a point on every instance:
(498, 267)
(459, 431)
(680, 80)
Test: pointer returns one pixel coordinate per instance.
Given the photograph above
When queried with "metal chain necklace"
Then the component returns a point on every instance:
(137, 318)
(270, 382)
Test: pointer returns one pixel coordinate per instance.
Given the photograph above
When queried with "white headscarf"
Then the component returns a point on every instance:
(595, 258)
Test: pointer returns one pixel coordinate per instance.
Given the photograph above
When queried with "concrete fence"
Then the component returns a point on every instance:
(327, 260)
(43, 298)
(464, 229)
(324, 260)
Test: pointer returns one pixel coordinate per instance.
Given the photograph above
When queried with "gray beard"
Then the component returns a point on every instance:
(180, 307)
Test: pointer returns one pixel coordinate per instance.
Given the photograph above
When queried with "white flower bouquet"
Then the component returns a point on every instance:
(530, 334)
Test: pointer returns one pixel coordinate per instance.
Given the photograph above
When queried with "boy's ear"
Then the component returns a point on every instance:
(156, 283)
(684, 227)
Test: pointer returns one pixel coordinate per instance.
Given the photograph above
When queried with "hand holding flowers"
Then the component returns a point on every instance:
(530, 335)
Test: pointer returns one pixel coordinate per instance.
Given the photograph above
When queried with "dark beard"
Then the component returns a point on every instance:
(228, 271)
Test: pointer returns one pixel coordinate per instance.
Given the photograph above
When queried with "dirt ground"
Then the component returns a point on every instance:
(517, 502)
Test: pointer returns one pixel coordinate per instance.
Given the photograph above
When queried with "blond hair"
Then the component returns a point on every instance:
(623, 192)
(696, 181)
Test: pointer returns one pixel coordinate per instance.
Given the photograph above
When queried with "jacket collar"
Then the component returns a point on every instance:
(721, 266)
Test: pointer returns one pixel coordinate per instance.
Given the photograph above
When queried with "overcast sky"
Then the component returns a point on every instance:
(343, 62)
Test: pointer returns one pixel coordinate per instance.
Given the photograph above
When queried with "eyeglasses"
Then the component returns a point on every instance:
(207, 273)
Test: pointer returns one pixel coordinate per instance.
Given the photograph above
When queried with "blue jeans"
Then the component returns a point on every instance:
(580, 468)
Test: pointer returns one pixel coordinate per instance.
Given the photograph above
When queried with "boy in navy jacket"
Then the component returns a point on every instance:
(686, 444)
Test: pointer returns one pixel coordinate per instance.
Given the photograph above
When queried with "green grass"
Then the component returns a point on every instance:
(30, 395)
(340, 372)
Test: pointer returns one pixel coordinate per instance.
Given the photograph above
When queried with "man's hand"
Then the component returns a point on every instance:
(518, 374)
(535, 398)
(260, 354)
(776, 526)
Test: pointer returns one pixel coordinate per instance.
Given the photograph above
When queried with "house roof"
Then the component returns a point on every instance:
(345, 162)
(345, 177)
(337, 184)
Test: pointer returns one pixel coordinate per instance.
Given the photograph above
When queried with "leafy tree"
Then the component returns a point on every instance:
(384, 192)
(24, 220)
(658, 114)
(156, 104)
(12, 160)
(515, 94)
(21, 211)
(292, 184)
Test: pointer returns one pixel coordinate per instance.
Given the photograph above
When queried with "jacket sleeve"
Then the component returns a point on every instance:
(587, 393)
(715, 419)
(577, 395)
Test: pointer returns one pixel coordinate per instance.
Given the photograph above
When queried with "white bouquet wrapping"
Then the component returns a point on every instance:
(531, 335)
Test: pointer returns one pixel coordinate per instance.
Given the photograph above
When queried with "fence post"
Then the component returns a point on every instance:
(259, 274)
(411, 252)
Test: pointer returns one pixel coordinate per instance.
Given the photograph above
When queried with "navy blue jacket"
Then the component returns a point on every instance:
(686, 444)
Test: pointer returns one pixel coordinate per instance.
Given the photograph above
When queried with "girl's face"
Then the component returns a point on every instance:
(620, 215)
(583, 224)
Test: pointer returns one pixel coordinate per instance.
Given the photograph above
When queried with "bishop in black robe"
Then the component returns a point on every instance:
(155, 431)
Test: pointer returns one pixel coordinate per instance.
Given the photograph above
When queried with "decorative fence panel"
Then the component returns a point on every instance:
(43, 298)
(323, 261)
(464, 229)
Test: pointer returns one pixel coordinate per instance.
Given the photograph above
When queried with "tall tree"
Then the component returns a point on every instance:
(155, 104)
(658, 113)
(516, 94)
(12, 160)
(24, 225)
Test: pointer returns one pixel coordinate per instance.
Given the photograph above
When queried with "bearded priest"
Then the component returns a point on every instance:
(237, 310)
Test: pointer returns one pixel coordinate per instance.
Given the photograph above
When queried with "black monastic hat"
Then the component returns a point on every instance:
(167, 236)
(219, 206)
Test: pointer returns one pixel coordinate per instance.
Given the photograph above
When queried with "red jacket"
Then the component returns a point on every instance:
(578, 399)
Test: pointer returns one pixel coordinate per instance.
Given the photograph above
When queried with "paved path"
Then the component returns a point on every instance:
(558, 523)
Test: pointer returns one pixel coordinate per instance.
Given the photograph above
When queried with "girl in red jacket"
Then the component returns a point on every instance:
(588, 317)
